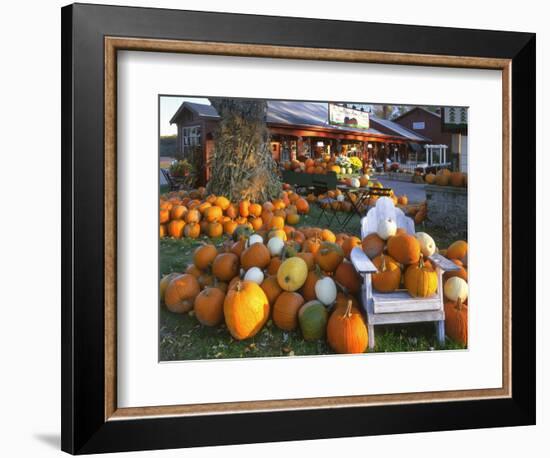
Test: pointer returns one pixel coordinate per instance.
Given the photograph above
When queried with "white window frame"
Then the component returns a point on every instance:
(188, 140)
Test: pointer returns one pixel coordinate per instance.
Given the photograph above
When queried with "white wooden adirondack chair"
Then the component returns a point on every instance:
(398, 307)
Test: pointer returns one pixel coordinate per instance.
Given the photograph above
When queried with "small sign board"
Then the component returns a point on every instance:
(339, 115)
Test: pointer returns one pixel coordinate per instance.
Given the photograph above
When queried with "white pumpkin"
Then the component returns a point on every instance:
(255, 238)
(341, 198)
(254, 274)
(275, 246)
(456, 289)
(427, 244)
(355, 183)
(350, 170)
(386, 228)
(325, 290)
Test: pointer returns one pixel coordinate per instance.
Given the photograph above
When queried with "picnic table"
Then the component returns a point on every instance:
(357, 198)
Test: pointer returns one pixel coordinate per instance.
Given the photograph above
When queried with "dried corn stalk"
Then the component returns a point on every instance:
(241, 165)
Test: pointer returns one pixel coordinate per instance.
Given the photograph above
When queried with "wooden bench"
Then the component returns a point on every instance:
(398, 307)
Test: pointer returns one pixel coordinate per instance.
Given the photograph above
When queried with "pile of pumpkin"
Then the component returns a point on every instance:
(302, 281)
(192, 213)
(445, 177)
(402, 262)
(321, 166)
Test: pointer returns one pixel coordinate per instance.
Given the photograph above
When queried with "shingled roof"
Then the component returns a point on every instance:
(307, 114)
(398, 129)
(204, 111)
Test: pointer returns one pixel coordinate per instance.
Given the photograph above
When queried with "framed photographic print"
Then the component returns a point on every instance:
(265, 225)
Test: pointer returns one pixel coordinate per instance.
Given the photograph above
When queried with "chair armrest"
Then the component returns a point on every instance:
(443, 263)
(361, 262)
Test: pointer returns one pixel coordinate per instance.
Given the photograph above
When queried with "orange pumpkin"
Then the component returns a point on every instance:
(176, 228)
(293, 218)
(309, 258)
(297, 236)
(209, 306)
(329, 256)
(308, 288)
(162, 231)
(215, 230)
(458, 250)
(271, 288)
(346, 330)
(274, 265)
(225, 266)
(244, 206)
(164, 282)
(430, 178)
(232, 211)
(256, 255)
(302, 206)
(278, 204)
(268, 206)
(456, 321)
(276, 222)
(238, 247)
(311, 245)
(246, 309)
(346, 276)
(204, 256)
(373, 245)
(229, 227)
(212, 214)
(181, 292)
(255, 210)
(222, 202)
(420, 280)
(456, 179)
(285, 310)
(166, 206)
(328, 236)
(442, 180)
(256, 223)
(164, 216)
(404, 248)
(203, 206)
(178, 212)
(349, 244)
(192, 216)
(388, 277)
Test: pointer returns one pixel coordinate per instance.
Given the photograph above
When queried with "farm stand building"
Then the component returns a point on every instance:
(300, 129)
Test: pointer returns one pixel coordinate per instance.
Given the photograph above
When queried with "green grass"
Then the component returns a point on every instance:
(182, 337)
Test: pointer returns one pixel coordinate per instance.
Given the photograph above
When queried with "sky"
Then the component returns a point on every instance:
(168, 106)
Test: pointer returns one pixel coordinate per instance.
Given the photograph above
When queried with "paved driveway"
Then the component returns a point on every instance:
(415, 192)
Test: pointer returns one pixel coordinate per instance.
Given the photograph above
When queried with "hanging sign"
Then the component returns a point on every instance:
(347, 117)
